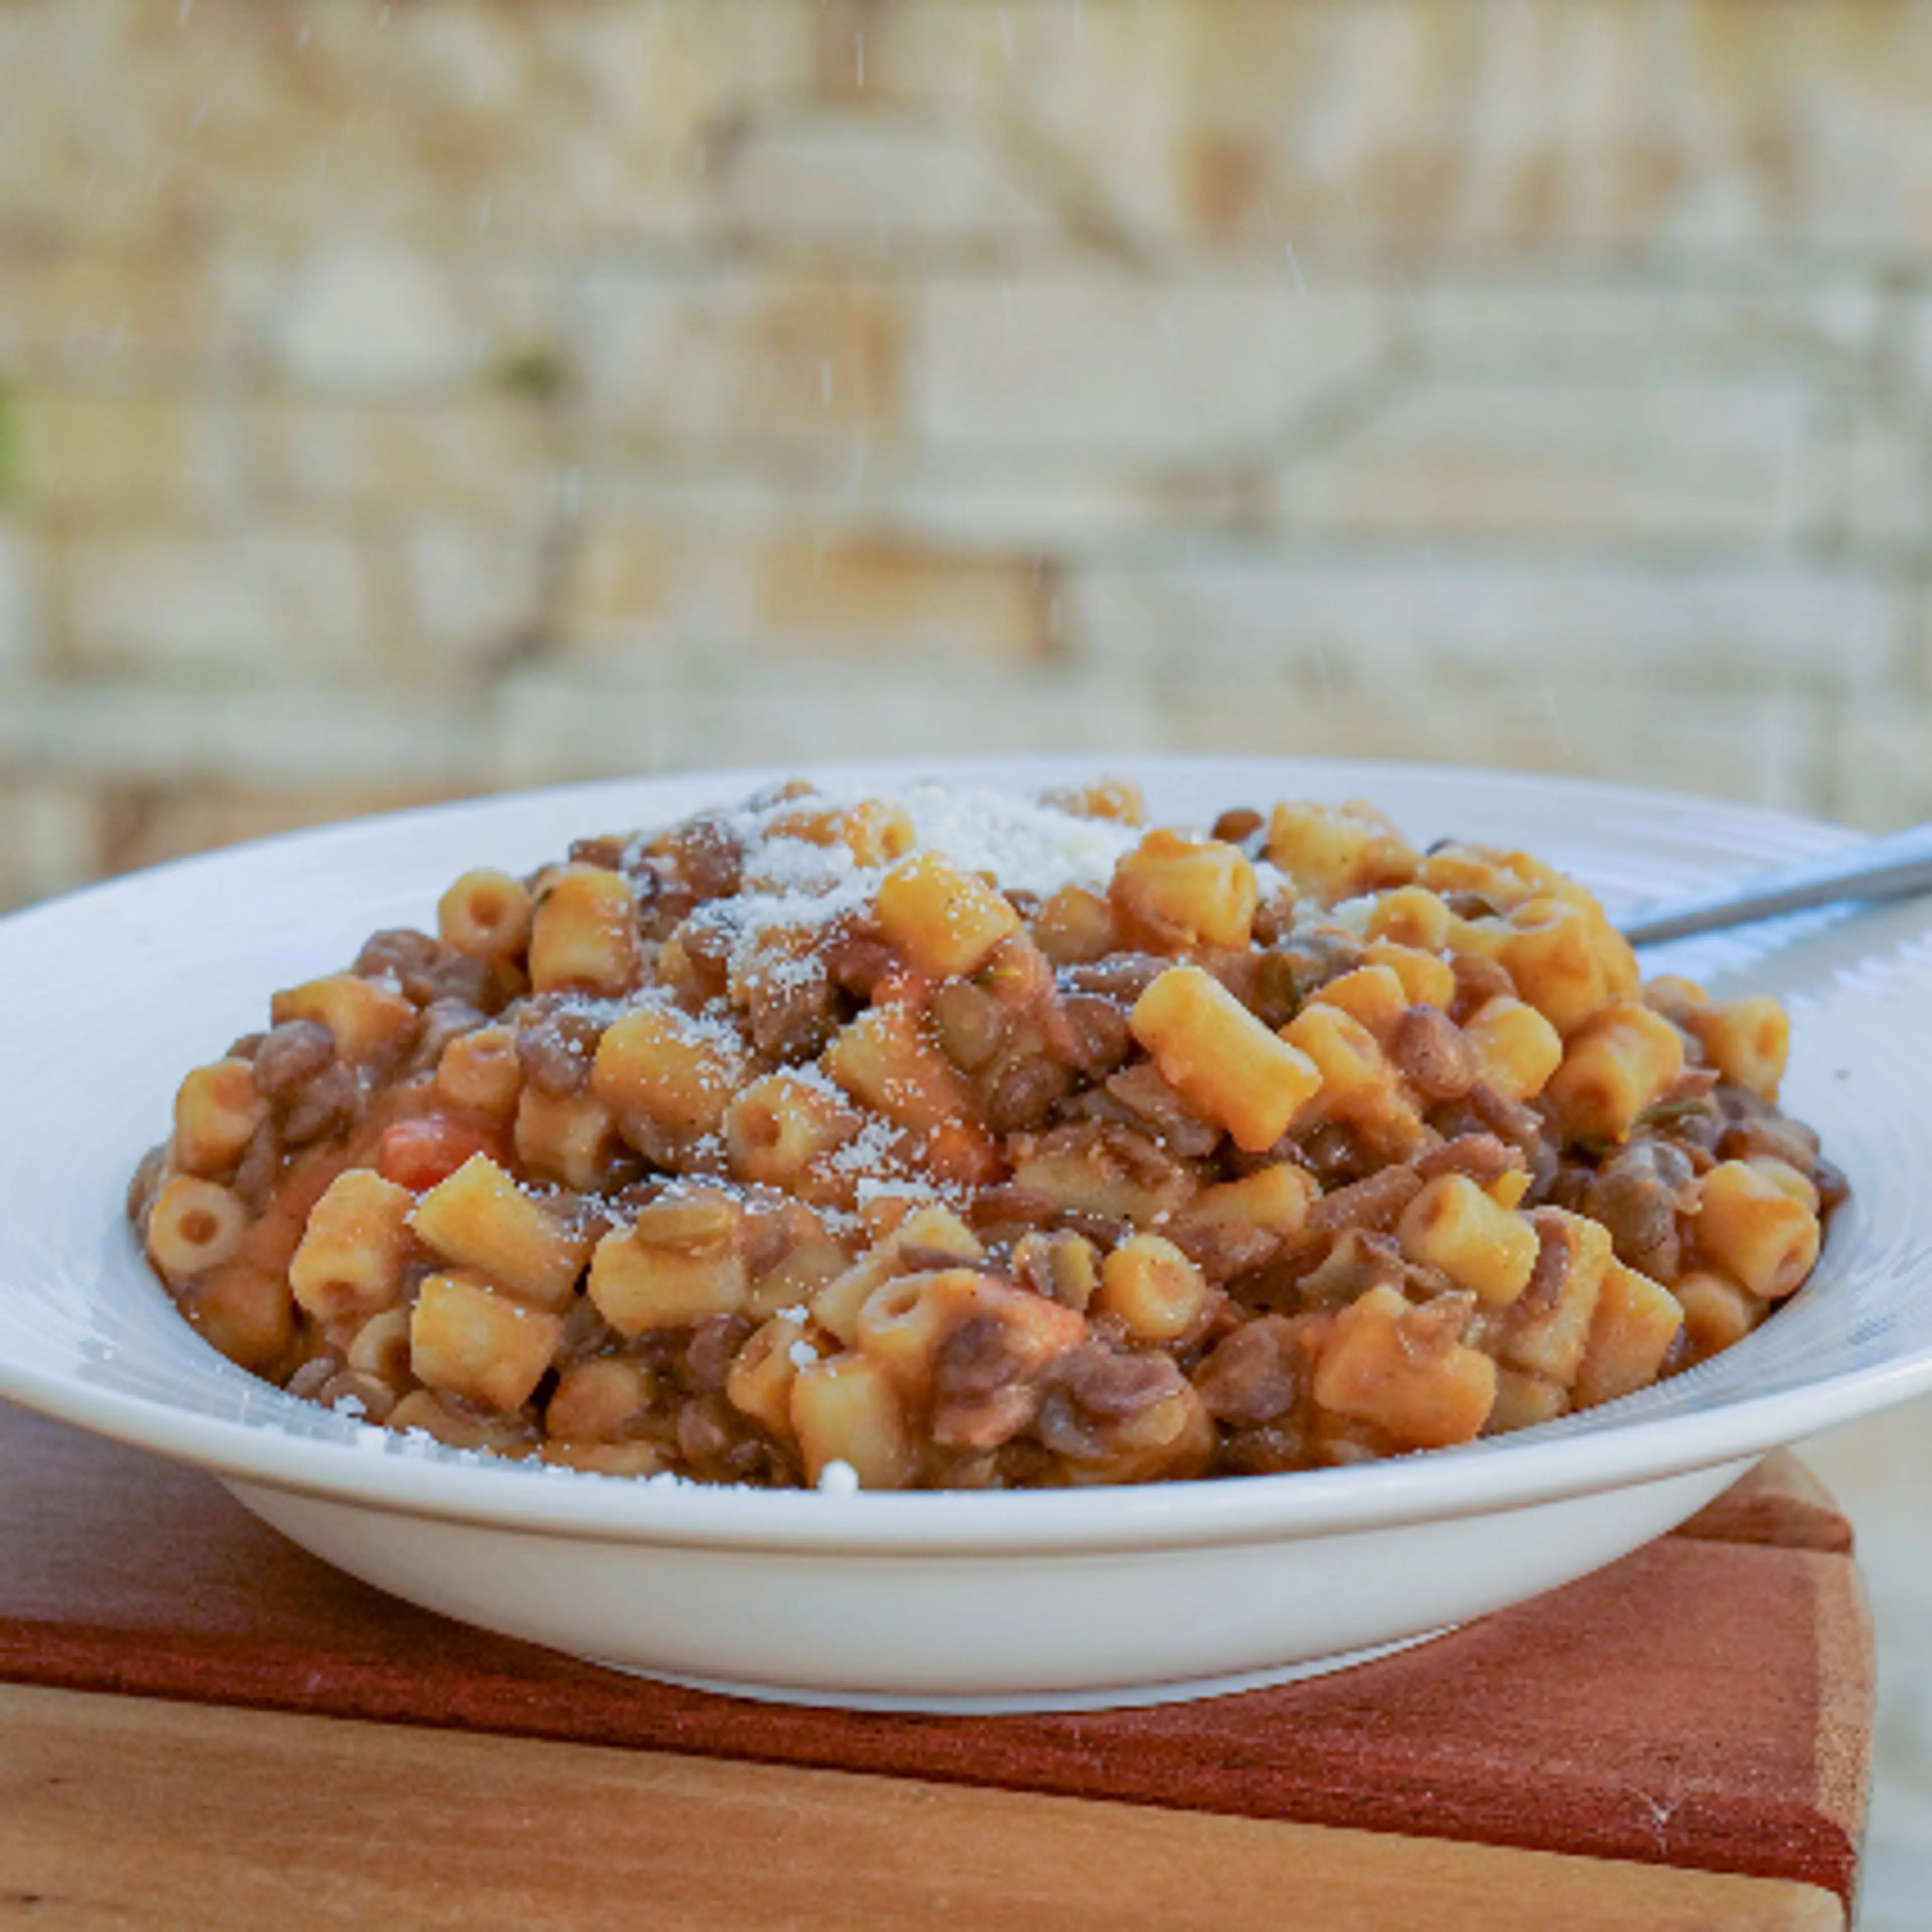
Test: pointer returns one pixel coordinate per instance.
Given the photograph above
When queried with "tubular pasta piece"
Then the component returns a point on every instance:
(655, 1062)
(1185, 893)
(583, 935)
(1425, 1398)
(355, 1247)
(1338, 852)
(569, 1138)
(1622, 1060)
(1548, 1326)
(1452, 1224)
(194, 1226)
(1359, 1083)
(778, 1125)
(470, 1342)
(1636, 1323)
(1226, 1063)
(1373, 997)
(944, 921)
(678, 1262)
(480, 1219)
(846, 1410)
(1718, 1312)
(883, 1059)
(217, 1112)
(478, 1071)
(1152, 1287)
(1517, 1048)
(1747, 1040)
(1755, 1230)
(366, 1019)
(1552, 955)
(1427, 979)
(485, 914)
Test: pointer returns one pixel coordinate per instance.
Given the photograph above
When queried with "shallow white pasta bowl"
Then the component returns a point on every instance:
(1010, 1601)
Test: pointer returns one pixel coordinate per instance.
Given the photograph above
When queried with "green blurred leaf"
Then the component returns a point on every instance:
(540, 374)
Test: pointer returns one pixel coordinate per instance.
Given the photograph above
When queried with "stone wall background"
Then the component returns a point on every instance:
(379, 385)
(401, 400)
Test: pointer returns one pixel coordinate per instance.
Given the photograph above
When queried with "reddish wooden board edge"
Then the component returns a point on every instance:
(399, 1665)
(1817, 1844)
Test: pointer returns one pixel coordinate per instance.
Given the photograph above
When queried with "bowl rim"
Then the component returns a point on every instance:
(372, 1469)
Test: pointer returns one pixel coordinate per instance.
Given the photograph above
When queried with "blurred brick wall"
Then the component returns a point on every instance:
(400, 400)
(397, 400)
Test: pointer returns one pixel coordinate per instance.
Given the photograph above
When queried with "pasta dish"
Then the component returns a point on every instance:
(947, 1140)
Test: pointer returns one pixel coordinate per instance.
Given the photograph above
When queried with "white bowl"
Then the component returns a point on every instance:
(1032, 1599)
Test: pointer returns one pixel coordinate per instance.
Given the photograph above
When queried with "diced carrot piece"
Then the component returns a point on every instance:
(423, 1153)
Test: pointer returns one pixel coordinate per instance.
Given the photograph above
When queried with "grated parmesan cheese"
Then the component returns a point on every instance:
(1027, 848)
(869, 1150)
(792, 885)
(870, 1188)
(1352, 915)
(839, 1478)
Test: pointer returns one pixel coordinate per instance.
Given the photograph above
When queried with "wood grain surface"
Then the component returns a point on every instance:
(178, 1818)
(1705, 1704)
(1780, 1503)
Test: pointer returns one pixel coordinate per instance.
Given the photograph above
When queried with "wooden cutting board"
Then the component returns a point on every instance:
(1703, 1707)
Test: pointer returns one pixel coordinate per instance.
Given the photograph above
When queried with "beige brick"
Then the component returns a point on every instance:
(149, 826)
(1887, 486)
(473, 592)
(557, 724)
(847, 31)
(112, 455)
(451, 315)
(1105, 363)
(488, 456)
(491, 120)
(927, 500)
(443, 117)
(896, 600)
(364, 316)
(645, 102)
(1549, 122)
(1072, 508)
(294, 736)
(876, 180)
(1388, 622)
(1911, 342)
(23, 639)
(1762, 749)
(1881, 753)
(1335, 125)
(1539, 124)
(1114, 88)
(742, 357)
(259, 602)
(622, 585)
(115, 318)
(662, 589)
(1596, 320)
(52, 840)
(1660, 465)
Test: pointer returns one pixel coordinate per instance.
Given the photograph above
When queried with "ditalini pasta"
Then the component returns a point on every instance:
(953, 1141)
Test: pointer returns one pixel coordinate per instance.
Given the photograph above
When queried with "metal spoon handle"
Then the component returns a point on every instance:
(1893, 867)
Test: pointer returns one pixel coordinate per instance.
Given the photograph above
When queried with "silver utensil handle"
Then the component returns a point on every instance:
(1893, 867)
